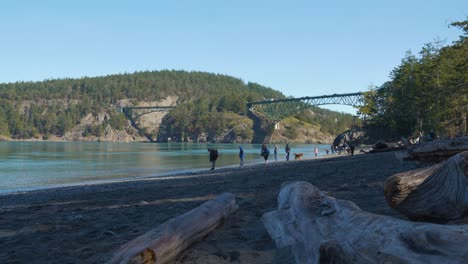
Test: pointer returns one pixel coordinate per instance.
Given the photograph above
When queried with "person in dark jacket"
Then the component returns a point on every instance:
(265, 152)
(213, 157)
(241, 156)
(352, 147)
(275, 152)
(287, 149)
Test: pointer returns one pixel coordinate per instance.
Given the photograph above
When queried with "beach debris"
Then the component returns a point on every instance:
(108, 233)
(438, 192)
(382, 146)
(164, 243)
(77, 220)
(321, 229)
(439, 150)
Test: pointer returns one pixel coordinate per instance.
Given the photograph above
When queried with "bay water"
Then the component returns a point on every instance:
(37, 165)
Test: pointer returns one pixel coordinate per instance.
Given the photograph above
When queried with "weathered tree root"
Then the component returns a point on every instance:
(438, 192)
(321, 229)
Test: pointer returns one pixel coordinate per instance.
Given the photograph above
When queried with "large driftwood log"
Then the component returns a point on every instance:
(164, 243)
(438, 192)
(321, 229)
(384, 147)
(439, 150)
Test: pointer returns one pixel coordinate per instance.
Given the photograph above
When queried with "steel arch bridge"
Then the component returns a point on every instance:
(277, 110)
(137, 111)
(133, 113)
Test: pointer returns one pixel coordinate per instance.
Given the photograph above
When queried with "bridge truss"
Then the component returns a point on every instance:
(276, 110)
(137, 111)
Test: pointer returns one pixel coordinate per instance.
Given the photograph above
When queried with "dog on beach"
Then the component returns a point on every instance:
(298, 156)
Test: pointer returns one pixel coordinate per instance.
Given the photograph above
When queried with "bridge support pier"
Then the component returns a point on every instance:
(263, 128)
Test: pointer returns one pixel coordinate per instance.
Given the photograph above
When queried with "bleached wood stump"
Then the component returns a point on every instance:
(439, 150)
(164, 243)
(438, 192)
(321, 229)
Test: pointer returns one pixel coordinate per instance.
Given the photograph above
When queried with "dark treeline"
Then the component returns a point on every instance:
(207, 104)
(427, 92)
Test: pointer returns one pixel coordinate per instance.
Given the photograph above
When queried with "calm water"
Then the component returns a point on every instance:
(33, 165)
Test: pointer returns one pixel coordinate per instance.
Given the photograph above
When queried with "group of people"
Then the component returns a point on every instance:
(345, 148)
(264, 152)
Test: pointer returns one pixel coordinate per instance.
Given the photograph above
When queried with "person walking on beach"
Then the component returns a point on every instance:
(265, 153)
(287, 149)
(241, 156)
(275, 151)
(213, 157)
(315, 151)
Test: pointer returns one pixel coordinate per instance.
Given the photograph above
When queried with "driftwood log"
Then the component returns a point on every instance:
(321, 229)
(164, 243)
(439, 150)
(384, 147)
(438, 192)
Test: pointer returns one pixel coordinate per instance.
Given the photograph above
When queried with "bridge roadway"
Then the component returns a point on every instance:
(276, 110)
(353, 99)
(136, 111)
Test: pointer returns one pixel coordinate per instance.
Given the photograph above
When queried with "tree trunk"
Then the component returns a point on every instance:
(437, 192)
(164, 243)
(321, 229)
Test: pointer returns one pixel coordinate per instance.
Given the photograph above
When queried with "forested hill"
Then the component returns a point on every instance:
(208, 107)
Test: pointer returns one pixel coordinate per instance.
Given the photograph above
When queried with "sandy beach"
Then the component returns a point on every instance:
(87, 224)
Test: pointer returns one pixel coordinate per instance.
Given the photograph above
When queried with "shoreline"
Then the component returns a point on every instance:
(88, 223)
(174, 173)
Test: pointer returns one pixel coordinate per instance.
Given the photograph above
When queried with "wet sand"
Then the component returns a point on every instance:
(86, 224)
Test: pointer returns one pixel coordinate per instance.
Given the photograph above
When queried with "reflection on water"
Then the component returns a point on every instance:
(30, 165)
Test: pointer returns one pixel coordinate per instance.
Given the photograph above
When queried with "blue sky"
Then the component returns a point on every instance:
(301, 48)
